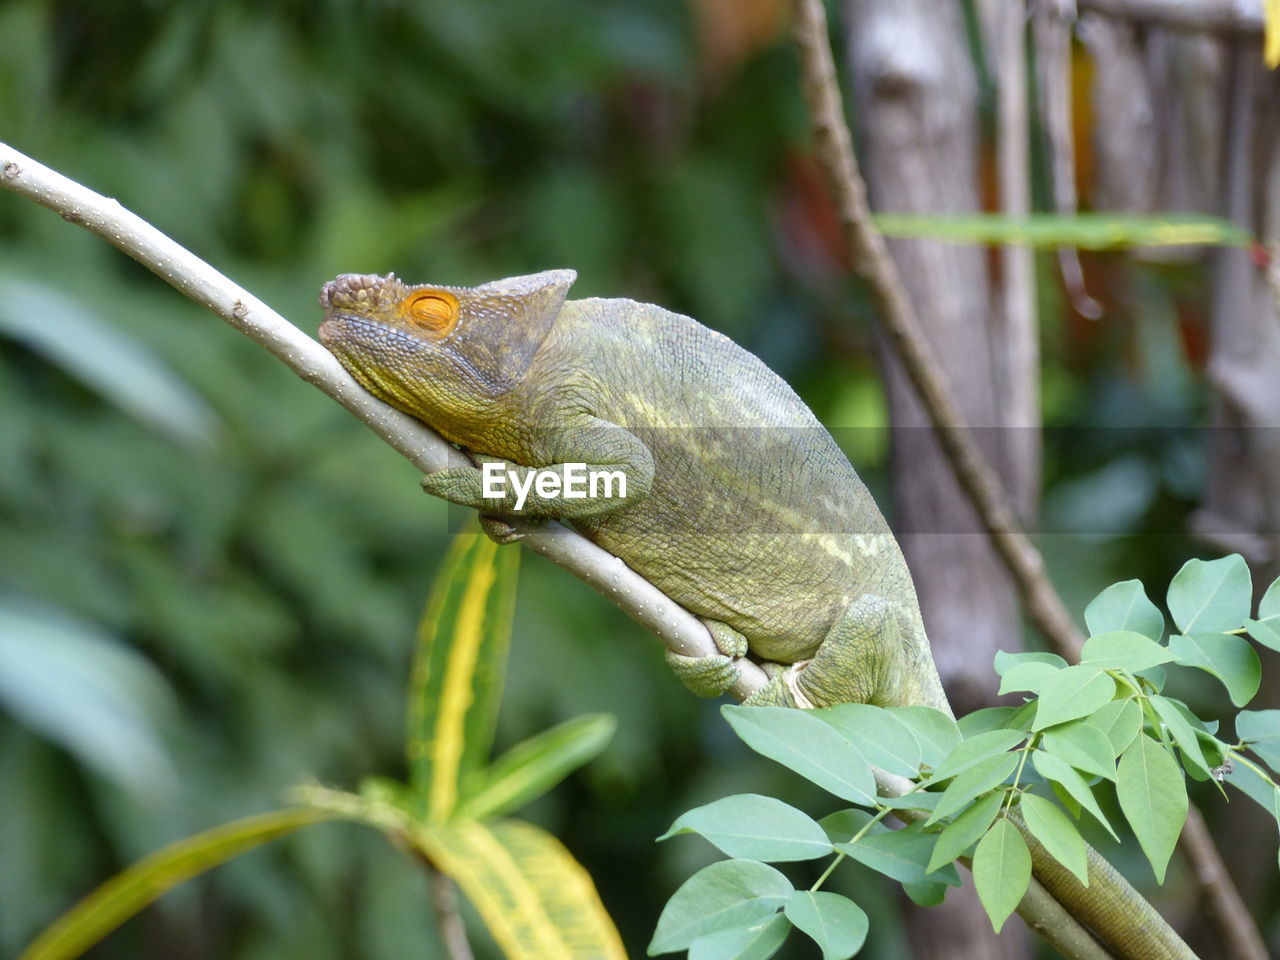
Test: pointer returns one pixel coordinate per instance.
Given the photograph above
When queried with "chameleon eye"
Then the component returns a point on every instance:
(434, 310)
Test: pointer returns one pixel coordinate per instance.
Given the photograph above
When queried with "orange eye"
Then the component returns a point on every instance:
(435, 310)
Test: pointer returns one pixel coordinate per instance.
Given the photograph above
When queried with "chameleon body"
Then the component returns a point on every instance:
(739, 505)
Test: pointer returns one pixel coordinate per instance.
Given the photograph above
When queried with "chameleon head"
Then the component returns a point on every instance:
(442, 354)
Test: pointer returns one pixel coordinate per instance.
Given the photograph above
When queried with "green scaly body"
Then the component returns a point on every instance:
(740, 505)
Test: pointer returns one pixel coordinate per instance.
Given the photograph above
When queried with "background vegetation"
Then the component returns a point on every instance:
(210, 574)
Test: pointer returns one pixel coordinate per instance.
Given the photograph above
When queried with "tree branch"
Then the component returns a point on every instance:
(444, 904)
(872, 263)
(676, 627)
(1216, 16)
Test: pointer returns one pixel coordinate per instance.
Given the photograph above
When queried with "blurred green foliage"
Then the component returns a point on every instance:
(250, 561)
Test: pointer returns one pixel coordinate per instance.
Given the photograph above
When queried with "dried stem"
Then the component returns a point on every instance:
(1217, 16)
(444, 904)
(872, 263)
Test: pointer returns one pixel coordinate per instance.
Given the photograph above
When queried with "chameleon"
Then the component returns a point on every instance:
(738, 503)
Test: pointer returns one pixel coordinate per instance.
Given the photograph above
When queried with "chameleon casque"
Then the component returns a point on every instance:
(739, 504)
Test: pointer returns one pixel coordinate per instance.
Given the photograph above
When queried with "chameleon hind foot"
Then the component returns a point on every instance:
(500, 530)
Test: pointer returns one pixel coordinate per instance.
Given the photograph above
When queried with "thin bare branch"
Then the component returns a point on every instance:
(871, 261)
(1051, 22)
(444, 904)
(675, 626)
(1016, 330)
(1218, 16)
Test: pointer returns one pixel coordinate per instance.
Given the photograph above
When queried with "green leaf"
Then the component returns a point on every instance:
(1030, 676)
(837, 924)
(1155, 676)
(1083, 746)
(147, 880)
(1260, 729)
(752, 827)
(925, 894)
(1229, 658)
(807, 745)
(724, 895)
(1214, 750)
(901, 854)
(962, 833)
(535, 899)
(1003, 660)
(1153, 796)
(530, 769)
(976, 749)
(977, 779)
(1120, 721)
(74, 336)
(1086, 231)
(1211, 596)
(1266, 632)
(1074, 692)
(844, 824)
(756, 941)
(1066, 799)
(1123, 650)
(1001, 871)
(1182, 734)
(1054, 769)
(456, 681)
(88, 692)
(1255, 786)
(986, 720)
(1059, 835)
(1124, 606)
(1269, 606)
(883, 739)
(935, 732)
(1251, 783)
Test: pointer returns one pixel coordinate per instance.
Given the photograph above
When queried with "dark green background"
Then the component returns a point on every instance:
(267, 557)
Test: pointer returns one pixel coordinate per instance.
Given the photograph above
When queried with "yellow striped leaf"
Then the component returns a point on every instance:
(537, 901)
(530, 769)
(147, 880)
(457, 675)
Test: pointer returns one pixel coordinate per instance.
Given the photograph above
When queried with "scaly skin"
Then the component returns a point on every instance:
(739, 504)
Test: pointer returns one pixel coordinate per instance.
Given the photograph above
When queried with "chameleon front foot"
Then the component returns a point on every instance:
(456, 484)
(713, 675)
(704, 676)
